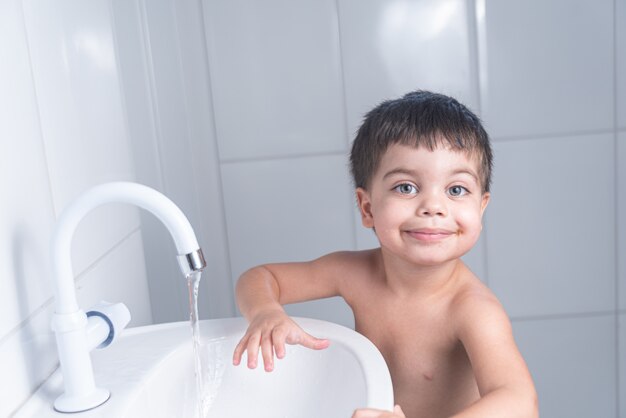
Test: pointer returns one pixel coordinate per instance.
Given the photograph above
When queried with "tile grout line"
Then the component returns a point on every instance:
(478, 50)
(571, 315)
(268, 158)
(616, 214)
(553, 135)
(348, 135)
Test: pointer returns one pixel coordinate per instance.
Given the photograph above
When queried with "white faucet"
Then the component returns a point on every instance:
(77, 333)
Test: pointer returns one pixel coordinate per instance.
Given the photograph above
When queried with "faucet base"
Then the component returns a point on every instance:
(80, 403)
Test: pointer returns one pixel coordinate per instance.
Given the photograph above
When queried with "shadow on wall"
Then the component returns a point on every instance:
(38, 350)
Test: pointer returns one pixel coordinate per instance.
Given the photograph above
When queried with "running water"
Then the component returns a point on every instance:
(208, 358)
(193, 282)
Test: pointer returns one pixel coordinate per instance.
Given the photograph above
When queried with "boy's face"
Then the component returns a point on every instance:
(425, 206)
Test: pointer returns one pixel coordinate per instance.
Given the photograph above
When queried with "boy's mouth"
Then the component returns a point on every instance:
(429, 235)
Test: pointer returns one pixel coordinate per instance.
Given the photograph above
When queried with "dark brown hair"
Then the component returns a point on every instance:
(419, 119)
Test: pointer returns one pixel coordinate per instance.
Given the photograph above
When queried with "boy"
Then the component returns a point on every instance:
(422, 170)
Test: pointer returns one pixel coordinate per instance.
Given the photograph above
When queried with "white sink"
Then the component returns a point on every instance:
(150, 373)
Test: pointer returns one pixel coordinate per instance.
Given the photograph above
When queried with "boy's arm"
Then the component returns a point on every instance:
(263, 290)
(504, 382)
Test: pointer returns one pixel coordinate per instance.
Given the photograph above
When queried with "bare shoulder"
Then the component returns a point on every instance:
(475, 306)
(485, 331)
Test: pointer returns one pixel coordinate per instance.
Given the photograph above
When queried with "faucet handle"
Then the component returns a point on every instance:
(114, 316)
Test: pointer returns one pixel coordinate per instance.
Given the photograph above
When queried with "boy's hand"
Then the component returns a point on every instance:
(271, 330)
(377, 413)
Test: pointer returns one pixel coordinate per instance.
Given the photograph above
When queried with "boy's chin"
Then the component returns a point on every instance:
(435, 260)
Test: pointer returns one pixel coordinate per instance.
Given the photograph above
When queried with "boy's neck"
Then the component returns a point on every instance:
(410, 280)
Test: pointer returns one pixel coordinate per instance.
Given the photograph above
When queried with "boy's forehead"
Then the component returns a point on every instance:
(439, 157)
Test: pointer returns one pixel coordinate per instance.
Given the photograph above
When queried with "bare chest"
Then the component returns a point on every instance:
(431, 372)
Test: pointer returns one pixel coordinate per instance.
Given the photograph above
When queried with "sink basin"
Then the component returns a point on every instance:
(150, 372)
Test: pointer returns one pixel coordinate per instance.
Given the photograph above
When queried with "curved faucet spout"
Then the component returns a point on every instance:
(69, 321)
(120, 192)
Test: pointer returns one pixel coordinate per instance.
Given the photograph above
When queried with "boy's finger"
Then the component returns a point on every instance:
(311, 342)
(268, 353)
(278, 340)
(253, 351)
(239, 351)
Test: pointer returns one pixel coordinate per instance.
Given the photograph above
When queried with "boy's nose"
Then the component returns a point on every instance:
(432, 206)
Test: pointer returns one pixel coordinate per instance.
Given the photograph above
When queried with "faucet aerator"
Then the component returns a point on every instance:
(192, 262)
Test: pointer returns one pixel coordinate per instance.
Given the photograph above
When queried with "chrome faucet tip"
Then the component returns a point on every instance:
(192, 262)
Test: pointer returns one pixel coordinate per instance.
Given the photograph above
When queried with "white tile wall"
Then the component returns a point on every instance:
(551, 231)
(139, 95)
(390, 48)
(134, 74)
(170, 119)
(62, 129)
(276, 77)
(475, 259)
(26, 211)
(80, 109)
(172, 136)
(133, 53)
(27, 357)
(549, 67)
(186, 130)
(217, 299)
(365, 237)
(621, 386)
(172, 123)
(620, 50)
(286, 210)
(572, 361)
(289, 210)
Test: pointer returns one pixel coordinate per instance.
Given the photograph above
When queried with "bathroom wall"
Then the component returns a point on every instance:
(243, 112)
(165, 83)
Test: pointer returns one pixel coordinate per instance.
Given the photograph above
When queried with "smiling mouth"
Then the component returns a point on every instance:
(430, 235)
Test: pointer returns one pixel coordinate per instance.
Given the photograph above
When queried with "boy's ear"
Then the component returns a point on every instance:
(365, 207)
(484, 203)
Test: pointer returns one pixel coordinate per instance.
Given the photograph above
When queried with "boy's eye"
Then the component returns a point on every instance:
(457, 191)
(405, 188)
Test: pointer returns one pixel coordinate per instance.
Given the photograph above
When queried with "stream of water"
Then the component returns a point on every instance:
(208, 359)
(193, 283)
